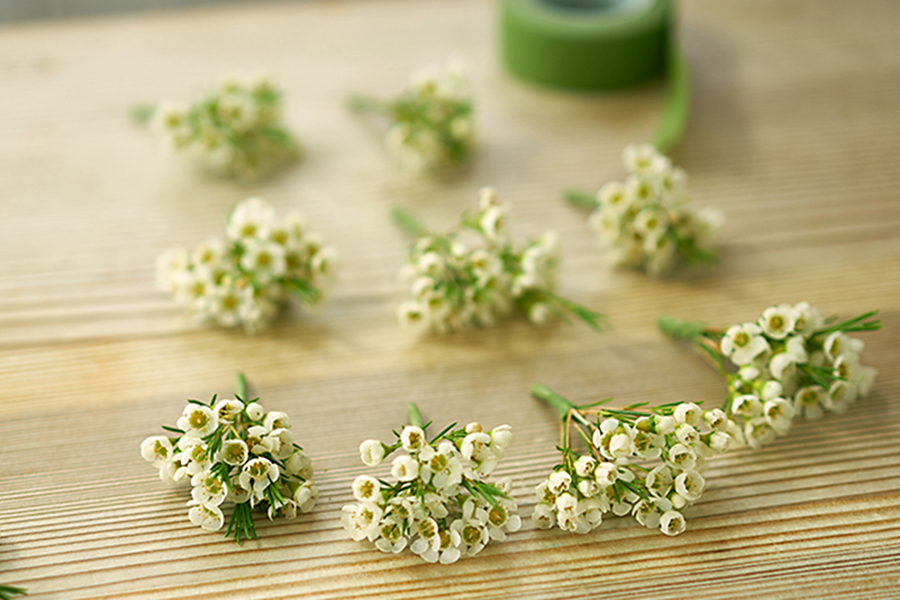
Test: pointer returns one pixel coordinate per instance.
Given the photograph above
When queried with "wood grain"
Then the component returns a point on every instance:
(794, 135)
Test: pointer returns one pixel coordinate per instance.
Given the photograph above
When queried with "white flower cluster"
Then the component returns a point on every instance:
(234, 450)
(235, 130)
(432, 124)
(440, 507)
(246, 278)
(648, 222)
(463, 282)
(791, 362)
(675, 440)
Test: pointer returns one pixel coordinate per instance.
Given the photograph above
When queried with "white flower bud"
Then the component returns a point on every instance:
(665, 425)
(255, 411)
(672, 523)
(585, 465)
(559, 482)
(412, 438)
(371, 452)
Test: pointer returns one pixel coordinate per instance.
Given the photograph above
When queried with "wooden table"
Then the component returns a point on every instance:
(794, 135)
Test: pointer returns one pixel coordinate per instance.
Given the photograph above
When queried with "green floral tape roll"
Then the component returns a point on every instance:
(586, 44)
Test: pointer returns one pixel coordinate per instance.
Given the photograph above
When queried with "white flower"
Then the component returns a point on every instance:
(412, 438)
(672, 523)
(492, 222)
(502, 519)
(778, 321)
(209, 518)
(157, 450)
(643, 159)
(747, 405)
(473, 532)
(689, 484)
(250, 219)
(257, 440)
(266, 260)
(665, 424)
(690, 413)
(543, 516)
(606, 474)
(255, 411)
(842, 396)
(476, 448)
(720, 441)
(682, 457)
(366, 489)
(198, 418)
(796, 347)
(281, 443)
(810, 401)
(300, 464)
(659, 480)
(687, 435)
(233, 452)
(736, 433)
(209, 489)
(371, 452)
(237, 493)
(743, 343)
(413, 317)
(392, 539)
(716, 419)
(228, 410)
(588, 488)
(779, 413)
(405, 468)
(257, 474)
(758, 432)
(171, 266)
(808, 319)
(771, 389)
(277, 420)
(651, 222)
(585, 465)
(865, 379)
(707, 223)
(566, 508)
(783, 366)
(501, 438)
(362, 520)
(305, 496)
(559, 482)
(613, 197)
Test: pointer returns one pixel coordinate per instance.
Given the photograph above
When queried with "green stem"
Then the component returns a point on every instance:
(596, 321)
(407, 221)
(142, 113)
(366, 104)
(240, 386)
(680, 329)
(415, 417)
(8, 591)
(860, 323)
(678, 101)
(581, 198)
(541, 392)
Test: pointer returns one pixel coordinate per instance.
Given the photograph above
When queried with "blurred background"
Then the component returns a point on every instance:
(24, 10)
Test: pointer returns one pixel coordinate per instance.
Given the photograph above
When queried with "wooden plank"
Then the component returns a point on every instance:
(794, 135)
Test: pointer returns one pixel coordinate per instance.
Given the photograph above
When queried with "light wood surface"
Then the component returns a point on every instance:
(794, 135)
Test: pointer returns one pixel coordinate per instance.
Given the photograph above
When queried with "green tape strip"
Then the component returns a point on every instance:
(598, 45)
(601, 46)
